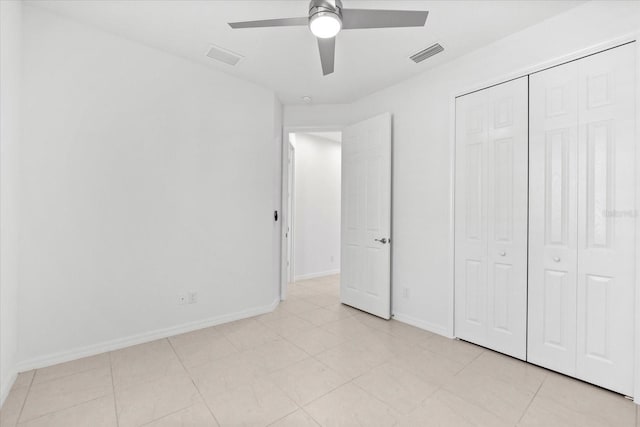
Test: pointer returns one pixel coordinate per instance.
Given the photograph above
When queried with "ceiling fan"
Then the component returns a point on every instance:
(327, 17)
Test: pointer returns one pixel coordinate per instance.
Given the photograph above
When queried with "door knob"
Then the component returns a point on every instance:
(383, 240)
(556, 259)
(503, 253)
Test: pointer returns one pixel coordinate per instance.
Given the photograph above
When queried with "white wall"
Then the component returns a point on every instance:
(422, 238)
(10, 64)
(144, 176)
(317, 206)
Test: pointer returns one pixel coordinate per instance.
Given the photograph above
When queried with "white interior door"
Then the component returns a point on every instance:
(582, 219)
(491, 217)
(365, 280)
(606, 219)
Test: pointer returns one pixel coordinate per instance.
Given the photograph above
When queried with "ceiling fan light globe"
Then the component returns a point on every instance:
(325, 25)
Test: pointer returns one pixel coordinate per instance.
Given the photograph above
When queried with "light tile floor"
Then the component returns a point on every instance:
(311, 362)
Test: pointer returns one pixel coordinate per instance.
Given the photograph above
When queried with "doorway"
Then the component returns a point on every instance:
(364, 223)
(312, 205)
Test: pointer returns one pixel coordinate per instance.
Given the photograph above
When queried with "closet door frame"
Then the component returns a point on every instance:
(637, 295)
(571, 56)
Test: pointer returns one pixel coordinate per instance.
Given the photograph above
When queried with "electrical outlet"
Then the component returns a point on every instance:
(182, 299)
(332, 258)
(405, 292)
(193, 297)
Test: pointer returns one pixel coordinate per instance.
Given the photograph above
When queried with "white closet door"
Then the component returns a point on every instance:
(491, 217)
(553, 217)
(472, 134)
(507, 218)
(606, 219)
(582, 219)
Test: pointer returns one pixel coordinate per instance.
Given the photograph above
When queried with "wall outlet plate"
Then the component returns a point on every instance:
(193, 297)
(182, 299)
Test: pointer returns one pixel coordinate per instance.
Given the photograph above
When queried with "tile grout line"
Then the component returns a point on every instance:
(192, 382)
(65, 408)
(464, 365)
(113, 389)
(311, 416)
(264, 376)
(24, 403)
(317, 398)
(82, 371)
(532, 399)
(368, 393)
(252, 348)
(298, 408)
(335, 388)
(31, 384)
(169, 414)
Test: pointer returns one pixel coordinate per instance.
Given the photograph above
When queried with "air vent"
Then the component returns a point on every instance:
(224, 55)
(427, 53)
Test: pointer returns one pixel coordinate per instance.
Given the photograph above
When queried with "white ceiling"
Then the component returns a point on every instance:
(286, 59)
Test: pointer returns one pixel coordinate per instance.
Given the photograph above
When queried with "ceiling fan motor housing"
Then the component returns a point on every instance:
(332, 7)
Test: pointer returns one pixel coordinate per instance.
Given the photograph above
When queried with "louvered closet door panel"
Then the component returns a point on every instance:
(491, 217)
(553, 217)
(606, 219)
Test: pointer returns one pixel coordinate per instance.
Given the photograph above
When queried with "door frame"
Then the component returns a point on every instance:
(284, 205)
(572, 56)
(636, 388)
(291, 209)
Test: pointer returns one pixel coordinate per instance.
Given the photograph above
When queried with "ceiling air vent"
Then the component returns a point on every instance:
(224, 55)
(427, 53)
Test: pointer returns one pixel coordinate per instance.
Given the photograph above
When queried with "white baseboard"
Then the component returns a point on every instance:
(418, 323)
(92, 350)
(5, 387)
(316, 275)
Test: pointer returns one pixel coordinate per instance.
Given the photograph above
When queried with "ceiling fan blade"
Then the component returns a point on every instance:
(282, 22)
(366, 18)
(327, 54)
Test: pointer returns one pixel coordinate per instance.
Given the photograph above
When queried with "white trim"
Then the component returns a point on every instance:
(637, 319)
(316, 275)
(283, 202)
(92, 350)
(6, 388)
(291, 218)
(419, 323)
(284, 213)
(599, 47)
(452, 222)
